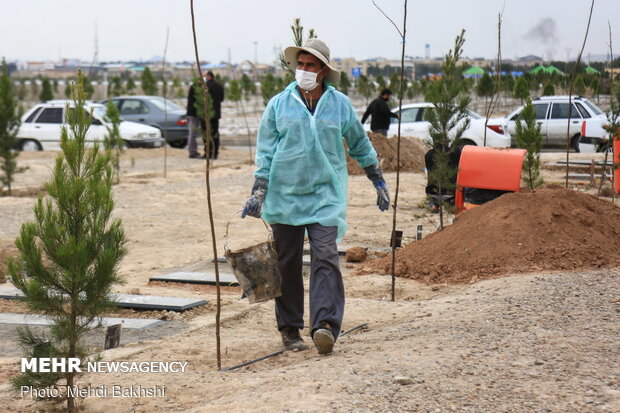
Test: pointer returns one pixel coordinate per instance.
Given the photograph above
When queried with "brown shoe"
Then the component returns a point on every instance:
(324, 338)
(291, 339)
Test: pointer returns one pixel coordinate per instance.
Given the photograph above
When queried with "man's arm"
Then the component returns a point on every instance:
(267, 141)
(367, 113)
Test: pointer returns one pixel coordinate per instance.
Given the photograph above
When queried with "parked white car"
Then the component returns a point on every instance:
(413, 125)
(552, 116)
(41, 127)
(594, 137)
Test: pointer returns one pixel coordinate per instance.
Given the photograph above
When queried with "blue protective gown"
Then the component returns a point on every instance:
(302, 156)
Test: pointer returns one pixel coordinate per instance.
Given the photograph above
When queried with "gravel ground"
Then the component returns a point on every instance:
(547, 346)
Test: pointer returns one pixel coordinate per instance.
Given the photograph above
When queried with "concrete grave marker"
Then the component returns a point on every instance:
(39, 320)
(226, 279)
(146, 302)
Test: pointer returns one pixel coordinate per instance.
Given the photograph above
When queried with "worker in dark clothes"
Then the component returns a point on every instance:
(216, 95)
(195, 125)
(380, 112)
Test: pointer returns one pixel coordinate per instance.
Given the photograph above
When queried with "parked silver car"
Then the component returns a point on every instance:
(552, 116)
(155, 111)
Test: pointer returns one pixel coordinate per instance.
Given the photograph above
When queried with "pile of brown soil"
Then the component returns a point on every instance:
(551, 228)
(411, 154)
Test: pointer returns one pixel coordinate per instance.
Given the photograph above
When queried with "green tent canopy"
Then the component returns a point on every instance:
(592, 71)
(552, 69)
(473, 71)
(538, 69)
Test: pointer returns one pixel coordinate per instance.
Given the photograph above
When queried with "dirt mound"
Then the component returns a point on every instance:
(411, 154)
(549, 229)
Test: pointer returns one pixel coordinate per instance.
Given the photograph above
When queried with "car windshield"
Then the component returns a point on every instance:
(474, 115)
(164, 104)
(593, 107)
(99, 112)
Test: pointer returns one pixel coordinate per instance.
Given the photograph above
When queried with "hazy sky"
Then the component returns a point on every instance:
(136, 29)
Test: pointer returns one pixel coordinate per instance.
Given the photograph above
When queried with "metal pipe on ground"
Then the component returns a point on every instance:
(277, 353)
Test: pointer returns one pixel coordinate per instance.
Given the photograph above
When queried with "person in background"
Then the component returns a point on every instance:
(195, 125)
(216, 95)
(301, 186)
(380, 112)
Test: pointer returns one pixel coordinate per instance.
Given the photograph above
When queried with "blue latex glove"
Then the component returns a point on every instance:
(254, 203)
(374, 173)
(383, 197)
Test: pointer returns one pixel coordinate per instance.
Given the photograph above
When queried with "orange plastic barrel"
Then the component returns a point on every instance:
(488, 168)
(617, 162)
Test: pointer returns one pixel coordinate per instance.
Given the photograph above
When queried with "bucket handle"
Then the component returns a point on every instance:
(269, 237)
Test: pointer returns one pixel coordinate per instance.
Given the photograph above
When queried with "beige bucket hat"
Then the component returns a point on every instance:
(317, 48)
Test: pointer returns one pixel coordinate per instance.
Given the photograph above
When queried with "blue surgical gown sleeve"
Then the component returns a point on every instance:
(266, 141)
(359, 145)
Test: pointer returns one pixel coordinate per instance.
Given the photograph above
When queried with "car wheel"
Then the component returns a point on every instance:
(30, 145)
(180, 144)
(128, 144)
(575, 143)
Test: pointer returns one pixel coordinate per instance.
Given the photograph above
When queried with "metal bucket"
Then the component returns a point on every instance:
(256, 268)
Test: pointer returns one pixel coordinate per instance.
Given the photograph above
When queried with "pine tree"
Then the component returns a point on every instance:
(88, 88)
(112, 141)
(521, 89)
(10, 115)
(345, 83)
(549, 89)
(485, 87)
(508, 84)
(579, 86)
(528, 137)
(149, 83)
(395, 84)
(365, 87)
(381, 82)
(595, 85)
(70, 252)
(131, 86)
(298, 36)
(46, 90)
(268, 88)
(234, 91)
(247, 86)
(447, 121)
(116, 86)
(67, 91)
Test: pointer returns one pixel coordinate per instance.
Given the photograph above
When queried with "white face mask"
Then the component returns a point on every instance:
(306, 80)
